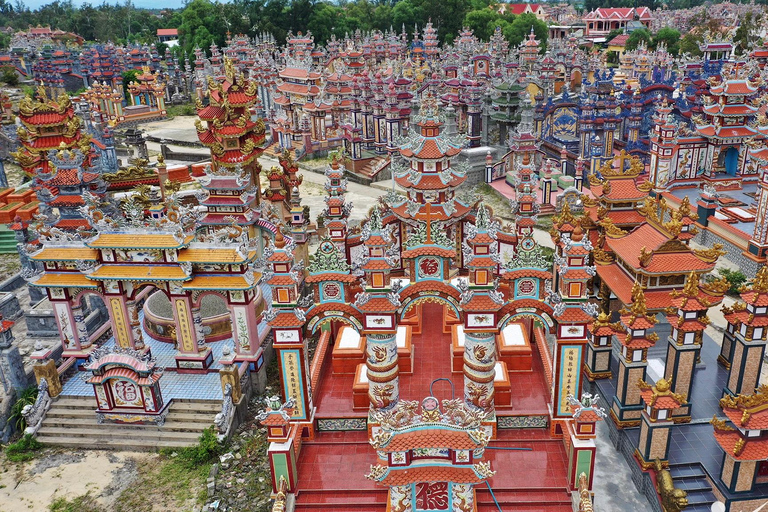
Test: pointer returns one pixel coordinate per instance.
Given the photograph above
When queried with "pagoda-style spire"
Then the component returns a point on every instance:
(744, 340)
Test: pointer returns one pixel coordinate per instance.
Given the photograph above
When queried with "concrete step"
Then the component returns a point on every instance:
(532, 496)
(72, 421)
(171, 424)
(335, 499)
(111, 443)
(196, 406)
(204, 417)
(115, 431)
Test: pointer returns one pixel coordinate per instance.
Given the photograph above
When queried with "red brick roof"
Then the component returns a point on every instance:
(754, 449)
(407, 476)
(431, 438)
(754, 421)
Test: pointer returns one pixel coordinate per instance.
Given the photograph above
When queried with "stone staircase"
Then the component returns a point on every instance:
(7, 240)
(527, 499)
(71, 421)
(342, 501)
(374, 167)
(692, 479)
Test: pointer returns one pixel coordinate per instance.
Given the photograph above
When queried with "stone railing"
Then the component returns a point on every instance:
(223, 420)
(585, 497)
(281, 499)
(34, 414)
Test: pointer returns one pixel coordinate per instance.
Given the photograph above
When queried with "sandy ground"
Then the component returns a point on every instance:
(36, 484)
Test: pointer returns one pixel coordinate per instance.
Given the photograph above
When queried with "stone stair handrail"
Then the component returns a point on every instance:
(35, 414)
(223, 420)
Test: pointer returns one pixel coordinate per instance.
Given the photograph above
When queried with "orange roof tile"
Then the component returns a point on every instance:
(212, 255)
(130, 272)
(66, 254)
(431, 438)
(63, 280)
(137, 241)
(411, 475)
(754, 421)
(754, 449)
(432, 250)
(220, 282)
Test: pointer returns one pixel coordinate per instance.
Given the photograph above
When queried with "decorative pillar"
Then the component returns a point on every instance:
(119, 314)
(479, 370)
(382, 370)
(546, 184)
(599, 347)
(229, 374)
(65, 322)
(582, 432)
(81, 330)
(45, 368)
(655, 424)
(578, 178)
(685, 340)
(746, 326)
(137, 336)
(190, 357)
(282, 434)
(626, 407)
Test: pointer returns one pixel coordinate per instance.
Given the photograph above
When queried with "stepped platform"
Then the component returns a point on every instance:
(332, 471)
(71, 422)
(332, 467)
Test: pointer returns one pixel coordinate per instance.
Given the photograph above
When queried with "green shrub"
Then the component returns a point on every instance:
(735, 278)
(24, 449)
(84, 503)
(27, 397)
(9, 76)
(205, 451)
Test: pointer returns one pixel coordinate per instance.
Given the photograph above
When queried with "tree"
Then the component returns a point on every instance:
(406, 13)
(746, 35)
(690, 44)
(481, 22)
(670, 37)
(518, 31)
(9, 76)
(636, 37)
(128, 77)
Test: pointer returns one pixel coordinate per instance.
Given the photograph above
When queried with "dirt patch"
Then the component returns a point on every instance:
(55, 460)
(56, 475)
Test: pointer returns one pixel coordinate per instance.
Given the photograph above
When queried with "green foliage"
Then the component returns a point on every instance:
(747, 33)
(670, 37)
(184, 109)
(128, 77)
(484, 21)
(84, 503)
(24, 449)
(518, 31)
(5, 41)
(690, 44)
(9, 76)
(637, 36)
(27, 397)
(205, 451)
(735, 278)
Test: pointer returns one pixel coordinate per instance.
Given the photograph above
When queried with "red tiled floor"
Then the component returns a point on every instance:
(332, 468)
(432, 360)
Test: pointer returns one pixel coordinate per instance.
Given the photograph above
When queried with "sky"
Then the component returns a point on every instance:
(154, 4)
